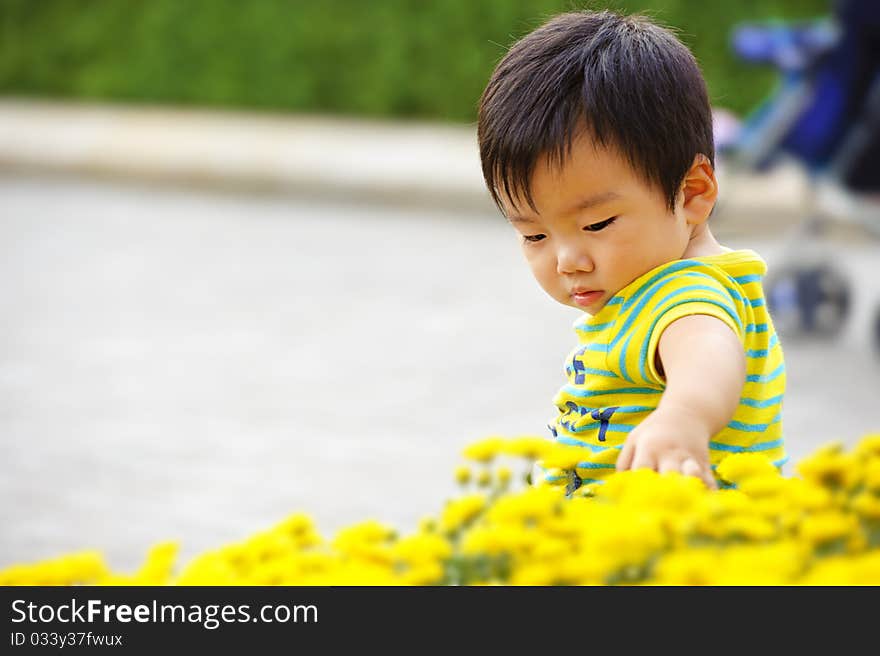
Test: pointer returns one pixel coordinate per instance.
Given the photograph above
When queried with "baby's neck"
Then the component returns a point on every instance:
(703, 243)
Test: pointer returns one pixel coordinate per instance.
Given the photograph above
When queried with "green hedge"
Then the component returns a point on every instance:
(367, 57)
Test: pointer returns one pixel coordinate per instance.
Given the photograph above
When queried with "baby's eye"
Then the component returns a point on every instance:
(596, 227)
(533, 238)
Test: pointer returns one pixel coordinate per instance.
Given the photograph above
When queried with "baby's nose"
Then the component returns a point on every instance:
(573, 259)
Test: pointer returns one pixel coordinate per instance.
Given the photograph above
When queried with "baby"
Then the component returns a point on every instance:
(595, 137)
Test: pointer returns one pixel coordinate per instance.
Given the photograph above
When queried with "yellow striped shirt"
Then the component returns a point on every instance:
(613, 384)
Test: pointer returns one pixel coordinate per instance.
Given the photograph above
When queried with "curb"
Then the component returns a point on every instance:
(409, 163)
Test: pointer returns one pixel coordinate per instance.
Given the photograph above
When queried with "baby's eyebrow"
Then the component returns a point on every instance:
(585, 204)
(597, 199)
(513, 218)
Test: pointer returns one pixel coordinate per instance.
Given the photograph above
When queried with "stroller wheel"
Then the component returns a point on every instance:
(811, 300)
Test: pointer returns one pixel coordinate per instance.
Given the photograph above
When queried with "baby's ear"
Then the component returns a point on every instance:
(700, 190)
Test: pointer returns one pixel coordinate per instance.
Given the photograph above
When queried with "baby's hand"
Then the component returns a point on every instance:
(669, 442)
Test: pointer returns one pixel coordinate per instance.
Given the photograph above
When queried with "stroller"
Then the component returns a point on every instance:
(826, 116)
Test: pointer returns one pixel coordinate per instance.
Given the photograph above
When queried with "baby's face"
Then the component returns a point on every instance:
(599, 226)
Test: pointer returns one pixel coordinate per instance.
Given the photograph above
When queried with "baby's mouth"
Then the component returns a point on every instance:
(586, 298)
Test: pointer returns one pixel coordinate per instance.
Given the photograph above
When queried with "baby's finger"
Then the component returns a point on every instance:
(624, 460)
(670, 463)
(690, 467)
(641, 459)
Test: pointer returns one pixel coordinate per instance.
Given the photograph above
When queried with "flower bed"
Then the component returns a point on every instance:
(819, 527)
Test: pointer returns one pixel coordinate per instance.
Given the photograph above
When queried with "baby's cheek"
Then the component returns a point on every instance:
(550, 282)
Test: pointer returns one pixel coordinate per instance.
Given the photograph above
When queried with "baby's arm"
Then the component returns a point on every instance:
(705, 368)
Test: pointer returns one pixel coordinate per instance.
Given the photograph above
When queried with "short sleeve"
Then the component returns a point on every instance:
(682, 296)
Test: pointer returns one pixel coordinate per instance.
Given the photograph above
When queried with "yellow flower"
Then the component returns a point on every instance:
(499, 539)
(724, 502)
(627, 536)
(484, 478)
(867, 505)
(158, 566)
(777, 563)
(646, 488)
(262, 547)
(86, 567)
(872, 474)
(503, 474)
(749, 527)
(763, 486)
(530, 505)
(537, 573)
(303, 565)
(581, 568)
(732, 514)
(868, 446)
(485, 450)
(462, 474)
(827, 526)
(355, 574)
(369, 532)
(427, 524)
(834, 570)
(368, 541)
(528, 446)
(739, 467)
(586, 490)
(421, 548)
(863, 569)
(300, 528)
(831, 467)
(423, 573)
(688, 567)
(461, 511)
(806, 495)
(550, 548)
(210, 568)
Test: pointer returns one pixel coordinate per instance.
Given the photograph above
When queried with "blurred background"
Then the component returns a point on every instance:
(249, 266)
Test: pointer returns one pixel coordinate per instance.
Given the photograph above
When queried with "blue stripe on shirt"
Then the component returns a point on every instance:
(574, 391)
(617, 428)
(594, 465)
(761, 403)
(571, 441)
(585, 327)
(754, 428)
(752, 277)
(763, 353)
(766, 378)
(622, 360)
(597, 372)
(733, 448)
(620, 409)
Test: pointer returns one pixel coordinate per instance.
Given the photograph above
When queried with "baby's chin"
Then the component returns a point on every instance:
(591, 310)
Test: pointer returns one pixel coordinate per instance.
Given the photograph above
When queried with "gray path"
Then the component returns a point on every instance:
(194, 366)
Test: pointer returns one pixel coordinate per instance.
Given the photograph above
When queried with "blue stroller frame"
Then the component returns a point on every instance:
(825, 115)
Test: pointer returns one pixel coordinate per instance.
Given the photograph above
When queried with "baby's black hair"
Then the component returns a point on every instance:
(631, 83)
